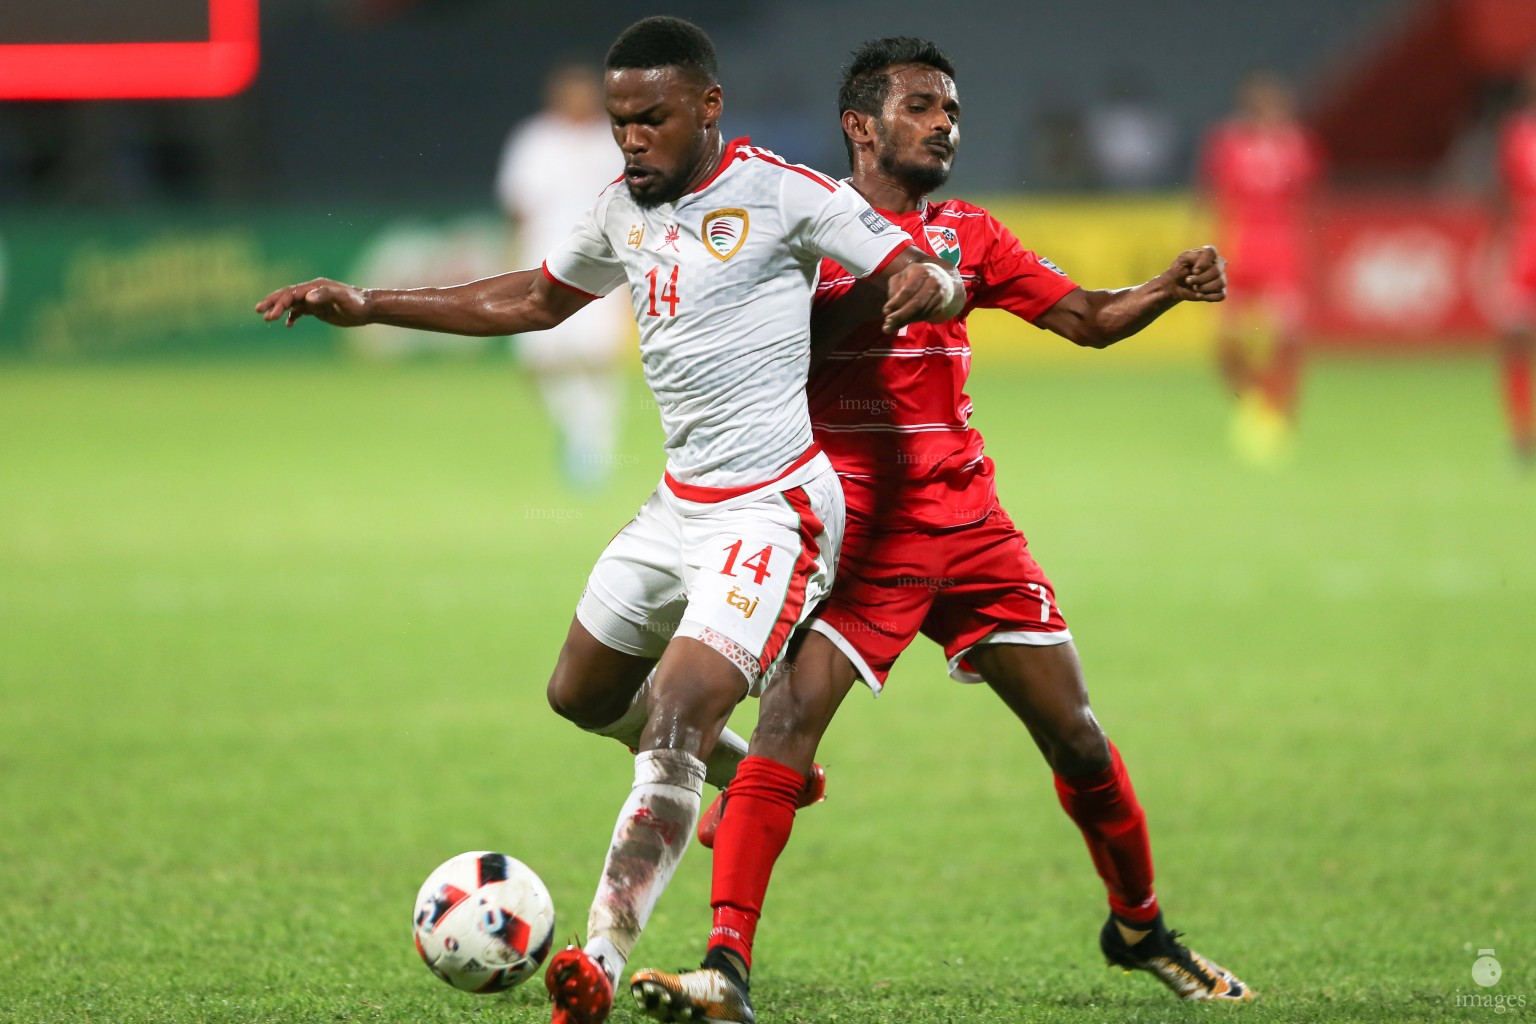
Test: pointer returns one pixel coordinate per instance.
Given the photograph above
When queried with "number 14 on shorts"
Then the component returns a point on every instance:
(758, 563)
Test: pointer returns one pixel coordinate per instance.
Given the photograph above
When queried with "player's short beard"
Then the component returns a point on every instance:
(920, 178)
(669, 189)
(665, 190)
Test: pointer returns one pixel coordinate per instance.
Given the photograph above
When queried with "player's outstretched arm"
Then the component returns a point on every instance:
(919, 287)
(1098, 319)
(515, 303)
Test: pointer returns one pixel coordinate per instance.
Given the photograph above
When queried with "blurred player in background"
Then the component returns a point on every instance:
(719, 243)
(1517, 174)
(928, 548)
(1258, 169)
(552, 167)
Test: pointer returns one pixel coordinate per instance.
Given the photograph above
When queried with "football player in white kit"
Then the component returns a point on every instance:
(720, 244)
(551, 167)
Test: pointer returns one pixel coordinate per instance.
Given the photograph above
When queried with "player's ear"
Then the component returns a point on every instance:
(858, 127)
(712, 104)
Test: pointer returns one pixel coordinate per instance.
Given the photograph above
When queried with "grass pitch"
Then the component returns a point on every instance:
(274, 638)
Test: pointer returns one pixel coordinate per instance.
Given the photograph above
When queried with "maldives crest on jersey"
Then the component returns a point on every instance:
(944, 243)
(724, 231)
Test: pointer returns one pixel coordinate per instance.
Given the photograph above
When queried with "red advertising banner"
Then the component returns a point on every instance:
(1403, 272)
(213, 54)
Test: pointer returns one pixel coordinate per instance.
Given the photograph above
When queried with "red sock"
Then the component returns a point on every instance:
(759, 815)
(1105, 808)
(1517, 395)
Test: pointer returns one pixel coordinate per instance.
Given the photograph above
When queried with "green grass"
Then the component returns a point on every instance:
(274, 638)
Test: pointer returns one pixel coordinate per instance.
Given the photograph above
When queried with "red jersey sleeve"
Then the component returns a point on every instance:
(833, 283)
(1517, 158)
(1015, 279)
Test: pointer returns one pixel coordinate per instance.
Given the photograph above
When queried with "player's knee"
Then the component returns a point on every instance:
(1080, 749)
(789, 727)
(578, 704)
(780, 735)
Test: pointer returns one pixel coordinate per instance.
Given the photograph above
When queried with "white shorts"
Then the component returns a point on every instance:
(739, 575)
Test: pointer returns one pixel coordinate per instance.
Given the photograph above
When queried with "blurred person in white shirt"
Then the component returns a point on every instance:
(552, 168)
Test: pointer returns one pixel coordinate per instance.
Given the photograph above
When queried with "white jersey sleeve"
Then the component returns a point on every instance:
(586, 261)
(839, 225)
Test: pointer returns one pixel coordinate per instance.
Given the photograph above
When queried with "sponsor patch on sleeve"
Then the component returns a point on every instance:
(1048, 265)
(876, 223)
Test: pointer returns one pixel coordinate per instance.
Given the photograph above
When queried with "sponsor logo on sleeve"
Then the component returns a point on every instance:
(872, 220)
(1048, 265)
(724, 231)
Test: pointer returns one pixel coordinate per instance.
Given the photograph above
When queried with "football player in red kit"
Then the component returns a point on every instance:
(1258, 169)
(1517, 173)
(928, 549)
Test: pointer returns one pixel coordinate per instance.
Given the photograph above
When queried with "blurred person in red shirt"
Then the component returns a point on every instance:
(1258, 169)
(1517, 175)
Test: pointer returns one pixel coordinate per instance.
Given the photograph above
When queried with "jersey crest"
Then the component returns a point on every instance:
(724, 231)
(944, 242)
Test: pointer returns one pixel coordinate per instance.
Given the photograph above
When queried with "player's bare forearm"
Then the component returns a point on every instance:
(1098, 319)
(512, 303)
(920, 287)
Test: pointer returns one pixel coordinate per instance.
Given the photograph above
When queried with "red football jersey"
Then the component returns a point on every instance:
(1259, 177)
(1517, 167)
(891, 411)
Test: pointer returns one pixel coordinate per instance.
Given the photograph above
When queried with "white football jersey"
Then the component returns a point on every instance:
(721, 282)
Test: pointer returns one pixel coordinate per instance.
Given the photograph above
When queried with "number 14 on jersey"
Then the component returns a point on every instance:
(668, 291)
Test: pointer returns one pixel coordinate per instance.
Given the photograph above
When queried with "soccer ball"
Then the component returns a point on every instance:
(484, 922)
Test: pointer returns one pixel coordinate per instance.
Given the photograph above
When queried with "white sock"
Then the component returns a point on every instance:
(584, 408)
(719, 768)
(652, 832)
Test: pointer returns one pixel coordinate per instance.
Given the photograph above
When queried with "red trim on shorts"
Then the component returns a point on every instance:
(794, 600)
(901, 247)
(568, 287)
(710, 495)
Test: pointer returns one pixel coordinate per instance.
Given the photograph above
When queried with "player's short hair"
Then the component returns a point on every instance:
(867, 79)
(663, 42)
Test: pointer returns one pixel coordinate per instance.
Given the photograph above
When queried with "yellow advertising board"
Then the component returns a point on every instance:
(1102, 243)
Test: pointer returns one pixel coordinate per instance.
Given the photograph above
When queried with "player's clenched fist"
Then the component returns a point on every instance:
(921, 291)
(1199, 275)
(339, 304)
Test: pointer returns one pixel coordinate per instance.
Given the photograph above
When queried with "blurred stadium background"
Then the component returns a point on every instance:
(275, 618)
(370, 129)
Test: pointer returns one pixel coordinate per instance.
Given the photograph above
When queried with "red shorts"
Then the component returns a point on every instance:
(1522, 276)
(960, 588)
(1267, 268)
